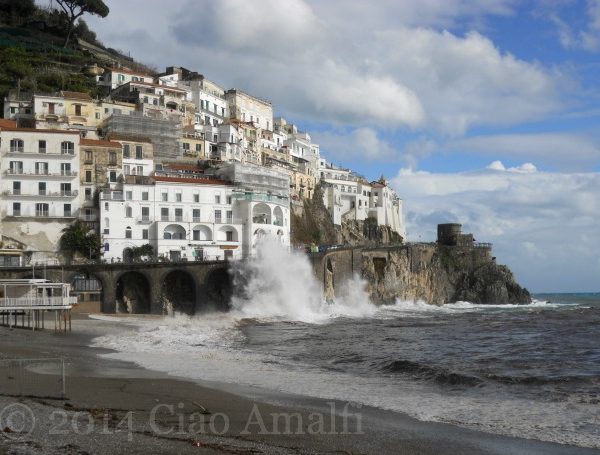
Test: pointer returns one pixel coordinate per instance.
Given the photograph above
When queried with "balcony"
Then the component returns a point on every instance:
(40, 152)
(144, 219)
(40, 173)
(43, 194)
(259, 197)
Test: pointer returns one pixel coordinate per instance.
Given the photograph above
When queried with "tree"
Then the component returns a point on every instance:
(138, 252)
(16, 12)
(78, 238)
(74, 9)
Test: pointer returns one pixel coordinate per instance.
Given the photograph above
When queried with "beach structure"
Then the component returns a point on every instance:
(29, 299)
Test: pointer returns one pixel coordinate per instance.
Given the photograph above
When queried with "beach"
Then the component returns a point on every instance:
(114, 406)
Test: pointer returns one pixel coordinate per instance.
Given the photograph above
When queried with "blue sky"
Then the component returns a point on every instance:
(482, 112)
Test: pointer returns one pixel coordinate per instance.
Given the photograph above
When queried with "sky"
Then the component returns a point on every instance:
(482, 112)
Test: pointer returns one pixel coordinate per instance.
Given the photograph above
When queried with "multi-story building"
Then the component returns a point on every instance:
(39, 185)
(101, 165)
(138, 154)
(348, 196)
(247, 108)
(113, 77)
(181, 212)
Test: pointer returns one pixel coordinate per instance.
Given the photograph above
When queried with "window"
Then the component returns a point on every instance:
(67, 209)
(229, 215)
(228, 199)
(88, 194)
(128, 212)
(97, 115)
(106, 207)
(112, 158)
(165, 197)
(196, 235)
(145, 100)
(127, 169)
(217, 198)
(139, 152)
(16, 209)
(67, 148)
(41, 209)
(41, 168)
(178, 214)
(106, 245)
(217, 216)
(88, 176)
(42, 188)
(196, 197)
(41, 146)
(229, 236)
(112, 176)
(164, 214)
(89, 156)
(127, 232)
(140, 170)
(186, 146)
(16, 145)
(51, 108)
(145, 234)
(144, 195)
(145, 213)
(198, 148)
(126, 152)
(129, 195)
(177, 197)
(78, 109)
(65, 189)
(16, 167)
(196, 215)
(65, 169)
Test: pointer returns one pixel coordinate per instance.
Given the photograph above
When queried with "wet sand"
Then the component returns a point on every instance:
(117, 407)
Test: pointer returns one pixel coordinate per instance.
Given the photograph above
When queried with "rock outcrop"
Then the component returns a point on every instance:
(439, 274)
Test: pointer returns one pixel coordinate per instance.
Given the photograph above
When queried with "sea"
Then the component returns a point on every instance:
(530, 371)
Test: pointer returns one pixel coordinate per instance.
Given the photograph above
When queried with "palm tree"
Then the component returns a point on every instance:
(78, 238)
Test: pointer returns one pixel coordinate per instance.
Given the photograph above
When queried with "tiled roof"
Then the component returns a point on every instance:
(99, 143)
(76, 96)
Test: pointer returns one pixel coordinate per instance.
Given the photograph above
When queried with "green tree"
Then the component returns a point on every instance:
(78, 238)
(140, 251)
(16, 12)
(74, 9)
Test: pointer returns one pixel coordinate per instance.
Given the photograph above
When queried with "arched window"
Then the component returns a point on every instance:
(16, 145)
(128, 232)
(67, 148)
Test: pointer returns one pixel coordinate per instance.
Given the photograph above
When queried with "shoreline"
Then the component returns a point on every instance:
(103, 393)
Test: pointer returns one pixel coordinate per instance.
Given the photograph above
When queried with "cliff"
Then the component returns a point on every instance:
(439, 274)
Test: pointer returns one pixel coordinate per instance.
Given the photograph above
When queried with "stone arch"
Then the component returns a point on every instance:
(204, 232)
(178, 292)
(174, 231)
(278, 218)
(133, 293)
(261, 213)
(218, 289)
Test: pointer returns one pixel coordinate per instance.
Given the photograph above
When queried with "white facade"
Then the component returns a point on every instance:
(247, 108)
(181, 217)
(39, 185)
(114, 77)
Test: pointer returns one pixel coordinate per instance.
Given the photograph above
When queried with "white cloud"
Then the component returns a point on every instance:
(574, 36)
(499, 166)
(567, 150)
(543, 225)
(348, 65)
(359, 143)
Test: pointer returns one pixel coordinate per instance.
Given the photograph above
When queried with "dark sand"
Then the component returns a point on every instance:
(95, 417)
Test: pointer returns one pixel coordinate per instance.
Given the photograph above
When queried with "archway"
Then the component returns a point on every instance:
(127, 255)
(219, 289)
(133, 293)
(174, 231)
(179, 293)
(201, 233)
(227, 234)
(278, 216)
(261, 214)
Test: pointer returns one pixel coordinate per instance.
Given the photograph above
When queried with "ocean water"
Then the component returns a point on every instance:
(530, 371)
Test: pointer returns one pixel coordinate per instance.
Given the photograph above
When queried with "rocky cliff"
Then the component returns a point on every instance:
(439, 274)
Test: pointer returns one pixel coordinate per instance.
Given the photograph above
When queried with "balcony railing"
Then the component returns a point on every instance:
(56, 194)
(41, 172)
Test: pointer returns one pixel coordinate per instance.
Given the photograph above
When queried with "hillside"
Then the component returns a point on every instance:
(33, 58)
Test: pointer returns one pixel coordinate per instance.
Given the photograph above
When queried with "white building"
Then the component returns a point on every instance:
(39, 185)
(247, 108)
(350, 197)
(113, 77)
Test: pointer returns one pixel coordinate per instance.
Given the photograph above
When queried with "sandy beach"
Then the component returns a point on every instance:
(116, 407)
